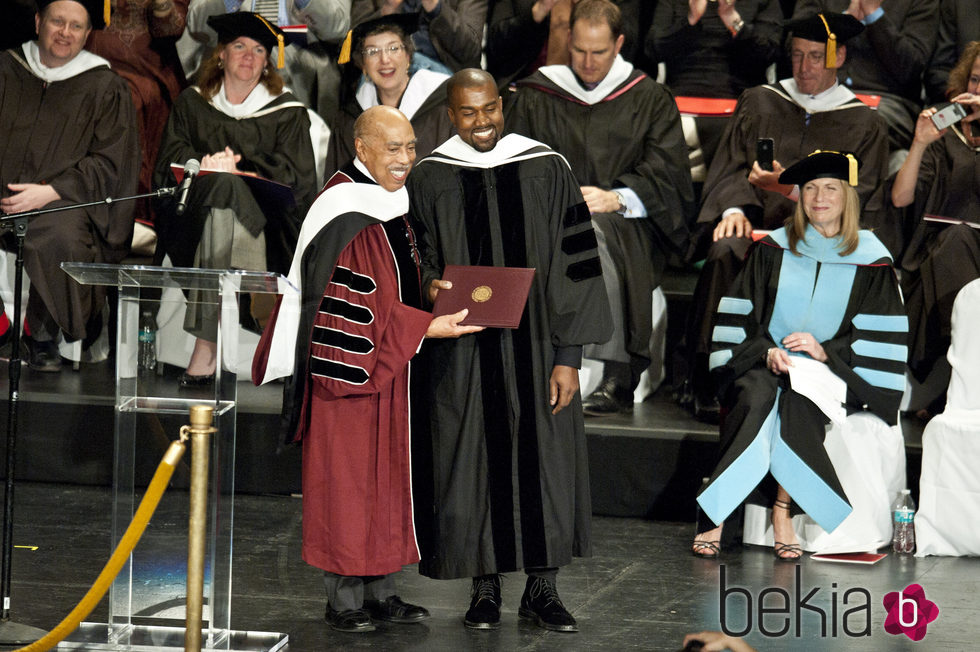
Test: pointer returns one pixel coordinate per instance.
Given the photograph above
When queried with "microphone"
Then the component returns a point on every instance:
(191, 168)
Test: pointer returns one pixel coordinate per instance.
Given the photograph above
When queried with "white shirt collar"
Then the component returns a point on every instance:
(420, 87)
(83, 61)
(826, 100)
(566, 79)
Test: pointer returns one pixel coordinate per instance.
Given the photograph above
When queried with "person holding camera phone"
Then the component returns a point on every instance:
(941, 258)
(803, 113)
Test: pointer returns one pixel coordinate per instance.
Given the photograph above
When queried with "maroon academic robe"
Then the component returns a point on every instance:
(357, 501)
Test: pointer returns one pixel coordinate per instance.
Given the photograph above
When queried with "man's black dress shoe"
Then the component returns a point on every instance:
(541, 604)
(609, 398)
(187, 380)
(707, 410)
(353, 620)
(42, 356)
(484, 611)
(394, 610)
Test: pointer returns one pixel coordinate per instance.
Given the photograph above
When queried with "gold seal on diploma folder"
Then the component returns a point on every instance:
(495, 296)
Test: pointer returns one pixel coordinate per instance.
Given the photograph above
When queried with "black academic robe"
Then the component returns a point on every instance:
(940, 259)
(430, 122)
(78, 135)
(500, 483)
(274, 143)
(769, 112)
(852, 306)
(891, 54)
(632, 138)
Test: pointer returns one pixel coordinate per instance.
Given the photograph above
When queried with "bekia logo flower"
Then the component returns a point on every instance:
(909, 612)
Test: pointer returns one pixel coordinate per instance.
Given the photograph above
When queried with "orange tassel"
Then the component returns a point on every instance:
(345, 49)
(830, 58)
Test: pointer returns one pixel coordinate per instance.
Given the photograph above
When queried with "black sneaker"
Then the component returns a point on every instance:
(541, 604)
(484, 611)
(354, 621)
(394, 610)
(42, 356)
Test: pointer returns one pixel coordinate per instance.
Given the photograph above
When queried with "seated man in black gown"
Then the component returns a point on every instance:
(620, 131)
(69, 136)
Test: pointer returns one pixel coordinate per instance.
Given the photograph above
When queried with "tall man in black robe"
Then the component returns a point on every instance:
(69, 136)
(621, 134)
(501, 481)
(807, 112)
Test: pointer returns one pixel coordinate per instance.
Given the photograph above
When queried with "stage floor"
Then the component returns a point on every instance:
(641, 590)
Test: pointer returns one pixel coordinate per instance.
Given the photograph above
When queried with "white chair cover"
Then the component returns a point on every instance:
(949, 488)
(869, 458)
(591, 373)
(174, 344)
(97, 352)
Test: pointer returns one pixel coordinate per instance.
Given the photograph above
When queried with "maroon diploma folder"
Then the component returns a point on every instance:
(495, 296)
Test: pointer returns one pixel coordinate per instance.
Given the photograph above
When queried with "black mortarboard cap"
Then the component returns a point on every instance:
(408, 23)
(98, 10)
(245, 23)
(832, 29)
(823, 165)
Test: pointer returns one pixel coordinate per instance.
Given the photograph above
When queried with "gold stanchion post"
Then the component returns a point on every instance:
(199, 432)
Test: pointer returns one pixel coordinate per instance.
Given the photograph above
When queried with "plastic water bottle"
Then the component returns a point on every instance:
(903, 515)
(147, 353)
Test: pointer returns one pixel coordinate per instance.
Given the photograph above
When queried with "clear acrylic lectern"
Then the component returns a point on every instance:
(147, 599)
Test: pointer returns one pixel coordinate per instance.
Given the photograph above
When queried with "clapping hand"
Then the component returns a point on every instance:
(224, 161)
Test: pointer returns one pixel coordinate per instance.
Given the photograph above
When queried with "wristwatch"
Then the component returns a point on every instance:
(737, 26)
(622, 202)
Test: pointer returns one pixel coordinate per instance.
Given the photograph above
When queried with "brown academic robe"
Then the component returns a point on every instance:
(78, 135)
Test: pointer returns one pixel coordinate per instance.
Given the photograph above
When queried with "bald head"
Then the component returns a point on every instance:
(384, 142)
(475, 108)
(468, 78)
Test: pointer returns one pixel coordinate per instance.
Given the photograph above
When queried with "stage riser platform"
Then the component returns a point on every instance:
(648, 464)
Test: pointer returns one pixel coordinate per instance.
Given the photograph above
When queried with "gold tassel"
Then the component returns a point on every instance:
(852, 170)
(345, 49)
(281, 61)
(105, 12)
(830, 58)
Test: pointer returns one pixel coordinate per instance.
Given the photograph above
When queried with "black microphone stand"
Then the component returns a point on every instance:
(12, 633)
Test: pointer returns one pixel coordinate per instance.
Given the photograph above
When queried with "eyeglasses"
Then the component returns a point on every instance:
(374, 53)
